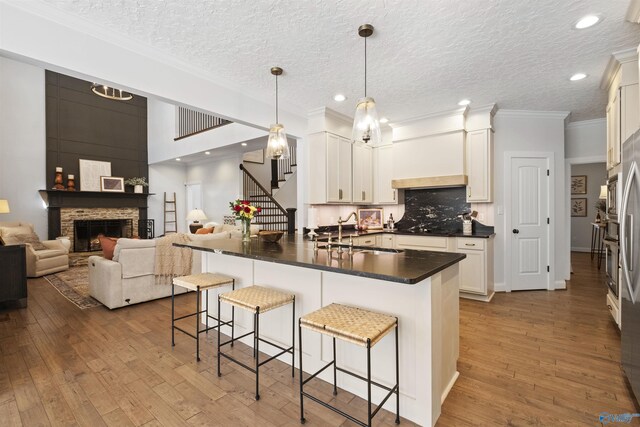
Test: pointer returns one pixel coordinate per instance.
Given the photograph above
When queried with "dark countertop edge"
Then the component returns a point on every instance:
(408, 281)
(346, 233)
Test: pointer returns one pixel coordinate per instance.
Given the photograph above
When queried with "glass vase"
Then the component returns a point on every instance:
(246, 230)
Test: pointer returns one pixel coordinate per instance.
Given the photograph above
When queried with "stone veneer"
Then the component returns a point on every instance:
(68, 215)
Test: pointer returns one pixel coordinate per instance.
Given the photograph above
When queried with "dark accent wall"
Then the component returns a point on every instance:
(83, 125)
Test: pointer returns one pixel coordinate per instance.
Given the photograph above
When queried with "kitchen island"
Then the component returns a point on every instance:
(419, 287)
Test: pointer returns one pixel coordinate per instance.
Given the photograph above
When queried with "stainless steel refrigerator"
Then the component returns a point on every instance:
(629, 218)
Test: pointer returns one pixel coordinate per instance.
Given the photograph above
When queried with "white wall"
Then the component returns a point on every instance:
(221, 184)
(586, 139)
(529, 131)
(581, 226)
(167, 178)
(22, 143)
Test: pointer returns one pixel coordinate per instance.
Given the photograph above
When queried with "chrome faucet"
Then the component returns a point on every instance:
(340, 221)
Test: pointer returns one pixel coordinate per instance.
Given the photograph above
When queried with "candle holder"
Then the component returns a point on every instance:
(57, 182)
(71, 183)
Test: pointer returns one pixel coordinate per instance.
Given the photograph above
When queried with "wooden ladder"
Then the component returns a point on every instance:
(170, 223)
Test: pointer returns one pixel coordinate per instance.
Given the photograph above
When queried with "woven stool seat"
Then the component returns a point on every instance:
(257, 298)
(203, 280)
(352, 324)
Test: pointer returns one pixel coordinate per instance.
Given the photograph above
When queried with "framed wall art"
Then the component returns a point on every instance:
(112, 184)
(579, 207)
(91, 172)
(256, 156)
(372, 218)
(579, 184)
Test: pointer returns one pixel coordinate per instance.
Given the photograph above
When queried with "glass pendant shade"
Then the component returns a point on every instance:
(277, 145)
(366, 126)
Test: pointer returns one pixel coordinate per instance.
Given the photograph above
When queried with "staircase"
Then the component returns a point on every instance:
(273, 215)
(282, 170)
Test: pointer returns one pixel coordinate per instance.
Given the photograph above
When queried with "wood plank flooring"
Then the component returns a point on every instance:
(528, 358)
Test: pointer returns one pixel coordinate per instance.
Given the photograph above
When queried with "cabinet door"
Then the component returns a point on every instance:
(362, 174)
(630, 104)
(365, 240)
(344, 170)
(383, 193)
(386, 241)
(478, 150)
(616, 147)
(472, 272)
(333, 168)
(609, 136)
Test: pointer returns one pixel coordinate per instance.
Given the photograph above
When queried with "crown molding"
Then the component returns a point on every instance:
(448, 113)
(633, 12)
(586, 123)
(615, 61)
(325, 111)
(561, 115)
(492, 109)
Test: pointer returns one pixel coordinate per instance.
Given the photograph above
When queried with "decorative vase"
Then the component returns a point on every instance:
(246, 230)
(137, 188)
(58, 180)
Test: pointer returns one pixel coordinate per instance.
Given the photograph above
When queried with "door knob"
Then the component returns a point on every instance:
(516, 231)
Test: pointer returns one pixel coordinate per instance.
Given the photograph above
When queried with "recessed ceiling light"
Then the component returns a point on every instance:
(338, 97)
(587, 21)
(178, 159)
(384, 120)
(464, 102)
(244, 144)
(207, 152)
(577, 76)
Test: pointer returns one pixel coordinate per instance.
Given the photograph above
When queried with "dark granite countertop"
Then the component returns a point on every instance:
(406, 266)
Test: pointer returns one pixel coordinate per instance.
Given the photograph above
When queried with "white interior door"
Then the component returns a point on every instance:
(529, 226)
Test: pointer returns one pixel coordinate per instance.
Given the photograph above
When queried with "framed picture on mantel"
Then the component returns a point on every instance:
(113, 184)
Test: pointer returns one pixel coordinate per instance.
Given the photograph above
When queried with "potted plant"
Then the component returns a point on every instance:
(137, 183)
(244, 211)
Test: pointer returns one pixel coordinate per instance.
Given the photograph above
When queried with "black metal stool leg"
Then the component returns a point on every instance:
(219, 374)
(293, 338)
(197, 316)
(335, 369)
(397, 377)
(369, 382)
(302, 420)
(206, 295)
(173, 315)
(233, 313)
(257, 350)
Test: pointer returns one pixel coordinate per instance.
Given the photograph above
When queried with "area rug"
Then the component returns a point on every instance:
(73, 284)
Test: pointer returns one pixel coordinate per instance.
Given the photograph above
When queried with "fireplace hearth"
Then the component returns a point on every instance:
(86, 232)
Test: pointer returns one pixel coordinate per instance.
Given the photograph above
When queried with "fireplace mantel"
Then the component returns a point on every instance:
(60, 199)
(93, 199)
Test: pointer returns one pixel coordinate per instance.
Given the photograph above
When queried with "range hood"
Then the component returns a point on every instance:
(431, 182)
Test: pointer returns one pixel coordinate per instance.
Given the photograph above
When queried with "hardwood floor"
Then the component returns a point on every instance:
(528, 358)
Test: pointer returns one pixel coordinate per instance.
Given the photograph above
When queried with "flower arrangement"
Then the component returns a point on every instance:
(243, 210)
(136, 181)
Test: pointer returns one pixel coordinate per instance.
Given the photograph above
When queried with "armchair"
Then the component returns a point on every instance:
(53, 259)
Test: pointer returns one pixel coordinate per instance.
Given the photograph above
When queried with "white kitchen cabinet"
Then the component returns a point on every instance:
(365, 240)
(362, 174)
(613, 131)
(629, 111)
(330, 169)
(383, 192)
(386, 240)
(479, 157)
(423, 243)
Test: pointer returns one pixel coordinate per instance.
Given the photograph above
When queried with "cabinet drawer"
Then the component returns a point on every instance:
(365, 241)
(470, 243)
(427, 243)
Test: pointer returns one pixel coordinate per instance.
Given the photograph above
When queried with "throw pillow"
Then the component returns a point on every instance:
(205, 230)
(31, 238)
(108, 245)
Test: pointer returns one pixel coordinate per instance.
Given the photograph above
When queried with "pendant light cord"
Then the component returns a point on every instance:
(277, 99)
(365, 67)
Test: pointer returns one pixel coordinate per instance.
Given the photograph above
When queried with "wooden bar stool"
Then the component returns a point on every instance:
(257, 300)
(357, 326)
(198, 283)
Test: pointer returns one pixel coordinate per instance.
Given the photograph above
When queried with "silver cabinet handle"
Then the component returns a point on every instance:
(363, 193)
(633, 172)
(340, 194)
(470, 244)
(394, 195)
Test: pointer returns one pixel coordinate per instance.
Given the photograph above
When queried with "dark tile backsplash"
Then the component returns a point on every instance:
(436, 209)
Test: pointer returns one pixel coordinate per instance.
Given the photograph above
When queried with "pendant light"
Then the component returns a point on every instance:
(277, 145)
(366, 126)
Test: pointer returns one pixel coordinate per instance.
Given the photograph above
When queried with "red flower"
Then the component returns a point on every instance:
(237, 208)
(245, 202)
(259, 209)
(247, 210)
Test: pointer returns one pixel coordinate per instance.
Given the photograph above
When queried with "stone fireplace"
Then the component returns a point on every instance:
(69, 216)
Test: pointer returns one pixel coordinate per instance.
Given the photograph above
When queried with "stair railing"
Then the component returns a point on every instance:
(190, 122)
(281, 167)
(273, 215)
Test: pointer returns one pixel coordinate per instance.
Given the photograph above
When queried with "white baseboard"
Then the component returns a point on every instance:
(499, 287)
(580, 249)
(560, 284)
(449, 386)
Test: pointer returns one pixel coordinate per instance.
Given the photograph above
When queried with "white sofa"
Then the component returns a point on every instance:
(129, 277)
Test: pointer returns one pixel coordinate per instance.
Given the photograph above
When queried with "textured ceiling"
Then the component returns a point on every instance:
(424, 57)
